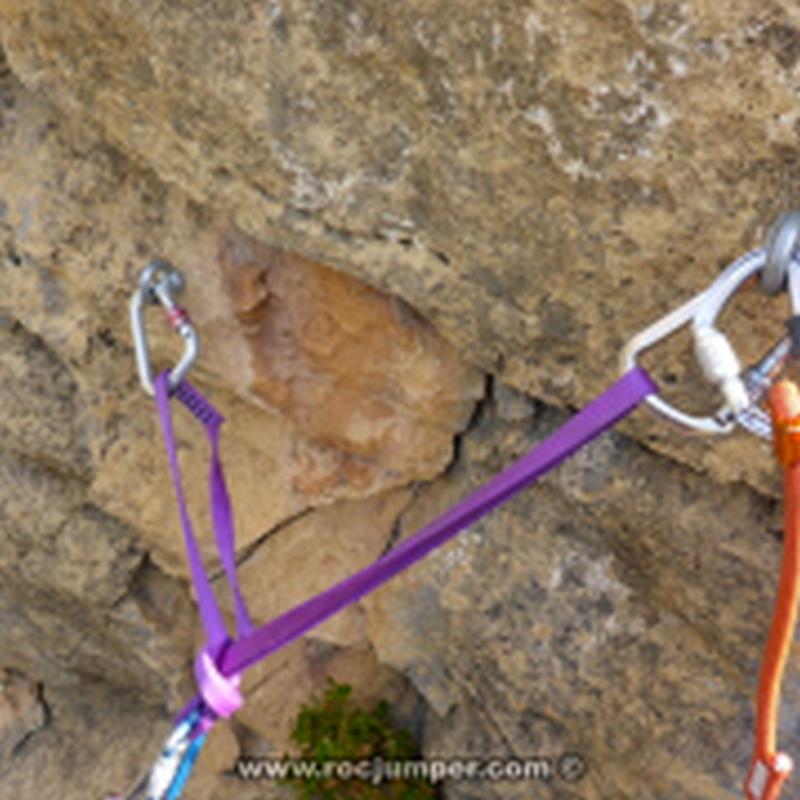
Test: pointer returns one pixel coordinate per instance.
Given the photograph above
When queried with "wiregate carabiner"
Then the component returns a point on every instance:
(157, 283)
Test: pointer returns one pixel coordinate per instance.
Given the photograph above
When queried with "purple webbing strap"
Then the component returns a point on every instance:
(221, 510)
(222, 517)
(616, 402)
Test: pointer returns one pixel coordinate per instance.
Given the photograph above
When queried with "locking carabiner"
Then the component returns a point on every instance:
(713, 350)
(157, 283)
(742, 390)
(758, 380)
(732, 276)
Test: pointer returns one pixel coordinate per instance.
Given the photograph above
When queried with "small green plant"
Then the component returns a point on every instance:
(330, 729)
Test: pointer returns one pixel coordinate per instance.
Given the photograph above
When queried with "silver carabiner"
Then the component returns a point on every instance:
(157, 283)
(660, 330)
(760, 376)
(779, 265)
(757, 380)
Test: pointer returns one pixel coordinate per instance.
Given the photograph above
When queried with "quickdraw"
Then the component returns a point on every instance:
(223, 659)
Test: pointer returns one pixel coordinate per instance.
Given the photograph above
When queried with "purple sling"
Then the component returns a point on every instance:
(232, 657)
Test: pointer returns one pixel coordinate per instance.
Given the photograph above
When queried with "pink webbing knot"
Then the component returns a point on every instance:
(220, 693)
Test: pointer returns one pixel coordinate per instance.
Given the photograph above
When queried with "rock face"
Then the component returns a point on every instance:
(93, 584)
(354, 370)
(374, 206)
(518, 174)
(606, 590)
(21, 712)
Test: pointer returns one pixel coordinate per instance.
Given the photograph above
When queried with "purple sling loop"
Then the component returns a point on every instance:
(232, 657)
(221, 512)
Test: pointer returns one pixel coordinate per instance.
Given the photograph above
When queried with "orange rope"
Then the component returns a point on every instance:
(769, 769)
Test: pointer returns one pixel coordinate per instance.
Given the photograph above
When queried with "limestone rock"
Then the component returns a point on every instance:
(206, 786)
(616, 610)
(221, 749)
(88, 585)
(143, 643)
(302, 559)
(21, 711)
(40, 401)
(536, 181)
(539, 180)
(354, 369)
(68, 547)
(55, 178)
(95, 743)
(315, 551)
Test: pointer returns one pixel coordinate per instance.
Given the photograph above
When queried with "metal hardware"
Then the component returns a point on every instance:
(757, 380)
(703, 304)
(782, 243)
(717, 357)
(158, 283)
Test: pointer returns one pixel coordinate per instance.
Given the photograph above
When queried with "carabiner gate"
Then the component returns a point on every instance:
(757, 381)
(157, 283)
(780, 271)
(723, 287)
(742, 390)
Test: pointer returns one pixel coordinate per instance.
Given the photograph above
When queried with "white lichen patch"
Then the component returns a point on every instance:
(541, 117)
(274, 11)
(533, 28)
(586, 580)
(457, 552)
(497, 37)
(506, 89)
(678, 66)
(403, 225)
(314, 192)
(308, 191)
(429, 40)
